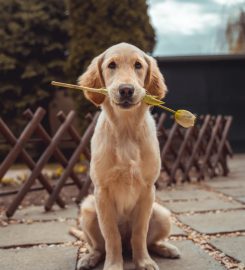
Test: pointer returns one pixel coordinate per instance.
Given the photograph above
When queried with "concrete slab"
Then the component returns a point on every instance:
(233, 192)
(216, 222)
(47, 258)
(36, 233)
(231, 246)
(201, 205)
(236, 165)
(184, 193)
(193, 258)
(226, 182)
(38, 213)
(177, 230)
(241, 199)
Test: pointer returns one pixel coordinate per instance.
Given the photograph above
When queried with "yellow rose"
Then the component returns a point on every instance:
(185, 118)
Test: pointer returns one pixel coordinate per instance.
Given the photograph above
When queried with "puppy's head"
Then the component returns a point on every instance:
(127, 73)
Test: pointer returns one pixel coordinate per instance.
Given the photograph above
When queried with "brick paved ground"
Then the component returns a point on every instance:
(209, 229)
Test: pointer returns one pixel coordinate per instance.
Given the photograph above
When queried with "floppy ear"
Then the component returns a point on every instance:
(154, 82)
(93, 78)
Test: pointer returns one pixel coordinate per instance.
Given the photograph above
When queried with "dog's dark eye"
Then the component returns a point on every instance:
(112, 65)
(138, 65)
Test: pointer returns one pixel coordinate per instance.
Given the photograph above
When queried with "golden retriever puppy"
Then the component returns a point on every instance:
(125, 163)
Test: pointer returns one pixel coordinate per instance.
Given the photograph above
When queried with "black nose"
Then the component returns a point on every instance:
(126, 90)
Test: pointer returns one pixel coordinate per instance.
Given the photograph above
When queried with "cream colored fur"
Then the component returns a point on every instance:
(125, 165)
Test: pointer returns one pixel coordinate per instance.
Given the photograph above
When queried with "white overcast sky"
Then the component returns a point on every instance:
(187, 27)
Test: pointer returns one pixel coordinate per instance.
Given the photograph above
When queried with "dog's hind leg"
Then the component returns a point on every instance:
(159, 230)
(89, 224)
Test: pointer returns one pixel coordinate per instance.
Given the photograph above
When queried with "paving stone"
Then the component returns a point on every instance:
(201, 205)
(177, 230)
(216, 222)
(233, 192)
(192, 258)
(38, 213)
(35, 233)
(46, 258)
(226, 182)
(184, 193)
(232, 246)
(236, 164)
(242, 199)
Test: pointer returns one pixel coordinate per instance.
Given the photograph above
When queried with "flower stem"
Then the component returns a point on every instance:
(166, 108)
(73, 86)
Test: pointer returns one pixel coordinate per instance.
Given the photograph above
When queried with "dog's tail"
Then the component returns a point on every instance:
(77, 233)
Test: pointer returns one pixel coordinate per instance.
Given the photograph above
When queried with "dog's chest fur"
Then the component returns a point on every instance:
(124, 161)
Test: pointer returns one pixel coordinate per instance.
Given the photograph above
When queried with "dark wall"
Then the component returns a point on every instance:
(210, 84)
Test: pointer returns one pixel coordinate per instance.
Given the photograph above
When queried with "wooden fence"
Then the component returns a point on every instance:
(204, 147)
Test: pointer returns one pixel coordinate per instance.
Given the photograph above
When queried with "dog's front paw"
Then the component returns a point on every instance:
(165, 250)
(116, 266)
(89, 261)
(146, 264)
